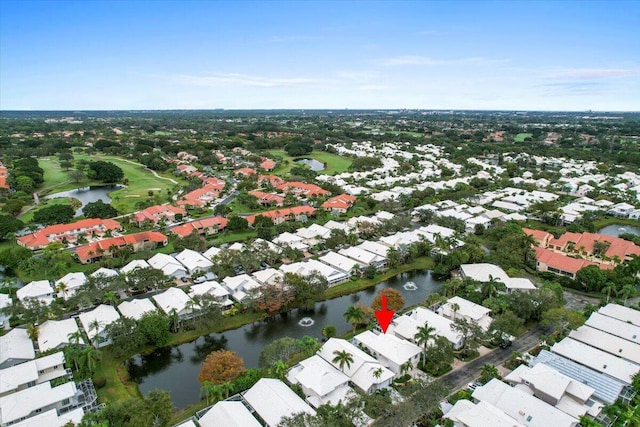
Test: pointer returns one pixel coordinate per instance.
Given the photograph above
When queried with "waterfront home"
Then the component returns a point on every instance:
(364, 257)
(95, 322)
(15, 347)
(228, 414)
(175, 299)
(342, 263)
(311, 266)
(268, 276)
(40, 290)
(213, 289)
(320, 381)
(136, 308)
(392, 352)
(407, 325)
(240, 286)
(27, 374)
(272, 400)
(54, 334)
(35, 400)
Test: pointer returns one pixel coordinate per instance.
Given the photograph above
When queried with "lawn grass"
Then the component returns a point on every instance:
(234, 237)
(240, 208)
(521, 137)
(28, 216)
(333, 163)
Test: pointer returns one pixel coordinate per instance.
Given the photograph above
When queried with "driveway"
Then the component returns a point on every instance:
(470, 371)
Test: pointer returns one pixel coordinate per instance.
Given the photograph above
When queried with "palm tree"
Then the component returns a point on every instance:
(377, 373)
(627, 291)
(608, 288)
(342, 358)
(406, 367)
(355, 316)
(110, 298)
(279, 369)
(174, 320)
(62, 288)
(90, 358)
(208, 390)
(227, 388)
(423, 336)
(33, 331)
(455, 307)
(490, 289)
(75, 338)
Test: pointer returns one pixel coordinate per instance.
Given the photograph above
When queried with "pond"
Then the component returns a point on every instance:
(176, 369)
(313, 164)
(87, 195)
(617, 229)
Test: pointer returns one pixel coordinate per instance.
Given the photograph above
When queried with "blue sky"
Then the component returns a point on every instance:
(513, 55)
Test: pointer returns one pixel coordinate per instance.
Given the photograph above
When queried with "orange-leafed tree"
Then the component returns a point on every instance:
(395, 300)
(272, 299)
(221, 366)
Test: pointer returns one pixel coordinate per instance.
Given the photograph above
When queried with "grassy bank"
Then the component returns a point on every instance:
(332, 162)
(613, 220)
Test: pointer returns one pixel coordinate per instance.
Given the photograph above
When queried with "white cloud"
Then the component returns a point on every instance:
(425, 60)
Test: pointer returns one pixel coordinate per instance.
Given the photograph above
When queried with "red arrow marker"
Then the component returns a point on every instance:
(384, 316)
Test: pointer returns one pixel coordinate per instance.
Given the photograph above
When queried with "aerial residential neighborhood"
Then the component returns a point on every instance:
(319, 214)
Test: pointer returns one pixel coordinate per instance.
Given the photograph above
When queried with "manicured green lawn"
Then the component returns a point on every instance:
(333, 163)
(521, 137)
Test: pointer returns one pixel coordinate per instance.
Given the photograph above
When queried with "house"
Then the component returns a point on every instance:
(361, 371)
(240, 286)
(92, 227)
(245, 172)
(522, 406)
(604, 341)
(342, 263)
(175, 299)
(466, 309)
(541, 238)
(205, 226)
(211, 252)
(391, 351)
(5, 303)
(136, 308)
(134, 242)
(342, 226)
(95, 322)
(194, 261)
(622, 313)
(556, 389)
(228, 414)
(302, 189)
(406, 326)
(15, 347)
(52, 418)
(339, 204)
(364, 257)
(268, 165)
(595, 246)
(169, 266)
(607, 389)
(619, 328)
(311, 266)
(558, 263)
(621, 210)
(54, 334)
(268, 276)
(375, 248)
(157, 213)
(212, 289)
(103, 273)
(278, 216)
(320, 381)
(312, 234)
(69, 284)
(292, 240)
(468, 414)
(202, 196)
(271, 180)
(40, 290)
(27, 374)
(136, 264)
(267, 199)
(597, 360)
(35, 400)
(272, 400)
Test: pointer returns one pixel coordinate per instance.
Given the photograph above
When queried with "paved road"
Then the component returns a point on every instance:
(468, 373)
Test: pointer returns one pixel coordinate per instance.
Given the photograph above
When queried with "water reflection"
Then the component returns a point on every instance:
(165, 370)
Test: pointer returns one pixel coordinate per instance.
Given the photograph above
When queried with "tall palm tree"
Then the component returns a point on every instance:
(425, 334)
(377, 373)
(608, 288)
(490, 289)
(174, 320)
(90, 358)
(63, 289)
(279, 369)
(110, 298)
(342, 358)
(208, 390)
(455, 307)
(627, 291)
(75, 338)
(406, 367)
(355, 316)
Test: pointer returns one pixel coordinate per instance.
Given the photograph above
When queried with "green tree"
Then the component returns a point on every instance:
(99, 209)
(355, 316)
(237, 223)
(423, 336)
(54, 214)
(471, 332)
(342, 358)
(488, 372)
(561, 320)
(106, 171)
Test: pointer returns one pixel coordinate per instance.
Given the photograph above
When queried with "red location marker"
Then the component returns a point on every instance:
(384, 316)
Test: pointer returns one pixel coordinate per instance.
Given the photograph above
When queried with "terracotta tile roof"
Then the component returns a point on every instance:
(92, 250)
(186, 229)
(617, 246)
(275, 181)
(283, 213)
(3, 177)
(201, 196)
(153, 213)
(43, 236)
(268, 164)
(341, 201)
(245, 171)
(267, 198)
(302, 188)
(565, 263)
(537, 234)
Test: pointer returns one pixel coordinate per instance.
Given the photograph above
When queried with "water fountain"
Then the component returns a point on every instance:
(410, 286)
(306, 322)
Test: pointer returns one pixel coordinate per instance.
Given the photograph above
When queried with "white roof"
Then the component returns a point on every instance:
(519, 283)
(166, 263)
(52, 419)
(211, 252)
(313, 231)
(309, 266)
(549, 381)
(615, 327)
(606, 342)
(134, 265)
(437, 229)
(23, 373)
(523, 407)
(318, 375)
(334, 225)
(621, 312)
(188, 423)
(483, 272)
(210, 287)
(172, 298)
(18, 405)
(136, 308)
(361, 370)
(273, 401)
(441, 324)
(466, 308)
(287, 239)
(193, 260)
(35, 289)
(228, 414)
(361, 255)
(104, 272)
(104, 314)
(16, 344)
(268, 276)
(339, 262)
(55, 333)
(241, 282)
(597, 360)
(374, 247)
(481, 414)
(389, 346)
